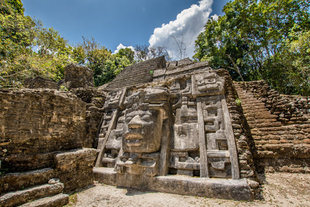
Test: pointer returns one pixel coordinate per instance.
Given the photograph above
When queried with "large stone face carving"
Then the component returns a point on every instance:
(142, 130)
(181, 126)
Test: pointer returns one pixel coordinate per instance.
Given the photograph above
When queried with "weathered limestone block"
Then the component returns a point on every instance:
(95, 100)
(216, 188)
(178, 69)
(39, 82)
(77, 76)
(33, 193)
(74, 168)
(176, 64)
(53, 201)
(37, 123)
(185, 61)
(137, 74)
(16, 181)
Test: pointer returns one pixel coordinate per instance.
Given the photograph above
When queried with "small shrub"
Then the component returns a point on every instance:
(63, 88)
(238, 102)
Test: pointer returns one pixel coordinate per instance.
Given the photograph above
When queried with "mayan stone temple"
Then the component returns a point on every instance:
(177, 127)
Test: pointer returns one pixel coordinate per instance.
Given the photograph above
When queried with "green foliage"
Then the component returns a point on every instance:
(104, 64)
(27, 49)
(292, 66)
(16, 34)
(126, 53)
(238, 102)
(252, 38)
(63, 88)
(11, 7)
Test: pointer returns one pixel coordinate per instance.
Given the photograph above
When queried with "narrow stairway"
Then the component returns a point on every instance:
(272, 138)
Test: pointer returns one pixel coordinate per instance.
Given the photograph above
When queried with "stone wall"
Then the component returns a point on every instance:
(15, 181)
(94, 100)
(179, 68)
(137, 74)
(40, 82)
(77, 76)
(288, 109)
(74, 168)
(242, 135)
(279, 126)
(44, 128)
(35, 124)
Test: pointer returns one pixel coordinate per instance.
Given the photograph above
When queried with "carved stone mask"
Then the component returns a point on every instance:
(142, 131)
(207, 84)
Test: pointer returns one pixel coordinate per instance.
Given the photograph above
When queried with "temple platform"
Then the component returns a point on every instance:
(238, 189)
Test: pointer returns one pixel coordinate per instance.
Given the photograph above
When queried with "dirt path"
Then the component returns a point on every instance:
(280, 189)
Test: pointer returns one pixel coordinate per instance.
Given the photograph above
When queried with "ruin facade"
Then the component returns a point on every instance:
(177, 127)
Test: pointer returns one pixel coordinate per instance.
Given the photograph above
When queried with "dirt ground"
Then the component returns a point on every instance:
(280, 189)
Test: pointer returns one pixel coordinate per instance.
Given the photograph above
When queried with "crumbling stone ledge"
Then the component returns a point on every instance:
(74, 168)
(240, 189)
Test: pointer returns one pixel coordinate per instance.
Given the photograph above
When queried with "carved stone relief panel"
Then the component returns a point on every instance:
(207, 84)
(185, 162)
(113, 144)
(183, 126)
(110, 107)
(142, 132)
(216, 140)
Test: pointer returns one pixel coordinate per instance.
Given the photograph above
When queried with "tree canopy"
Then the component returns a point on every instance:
(254, 39)
(261, 39)
(101, 60)
(27, 49)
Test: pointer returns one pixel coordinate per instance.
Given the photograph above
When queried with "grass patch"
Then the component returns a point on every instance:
(72, 200)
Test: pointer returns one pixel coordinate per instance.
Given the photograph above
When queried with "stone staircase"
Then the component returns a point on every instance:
(277, 144)
(34, 193)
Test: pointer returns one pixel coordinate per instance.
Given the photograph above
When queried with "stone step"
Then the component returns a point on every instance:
(252, 107)
(248, 100)
(23, 196)
(237, 189)
(288, 128)
(260, 121)
(269, 118)
(265, 125)
(276, 136)
(16, 181)
(225, 188)
(259, 104)
(53, 201)
(259, 115)
(105, 175)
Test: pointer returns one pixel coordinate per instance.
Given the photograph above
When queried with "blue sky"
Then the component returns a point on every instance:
(127, 22)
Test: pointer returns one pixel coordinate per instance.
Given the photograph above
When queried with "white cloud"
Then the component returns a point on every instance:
(179, 36)
(215, 17)
(121, 46)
